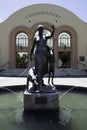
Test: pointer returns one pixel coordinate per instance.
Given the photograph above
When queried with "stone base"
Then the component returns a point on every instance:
(47, 99)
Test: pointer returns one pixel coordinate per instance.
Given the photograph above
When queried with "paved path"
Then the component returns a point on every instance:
(15, 81)
(59, 72)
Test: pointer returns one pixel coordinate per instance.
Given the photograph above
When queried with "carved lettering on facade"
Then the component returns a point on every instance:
(38, 13)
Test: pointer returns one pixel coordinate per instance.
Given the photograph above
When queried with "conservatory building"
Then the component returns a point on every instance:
(18, 31)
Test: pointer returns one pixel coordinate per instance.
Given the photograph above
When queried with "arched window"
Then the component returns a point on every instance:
(22, 40)
(46, 33)
(64, 39)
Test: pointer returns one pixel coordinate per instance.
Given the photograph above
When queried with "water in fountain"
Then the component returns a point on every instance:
(72, 113)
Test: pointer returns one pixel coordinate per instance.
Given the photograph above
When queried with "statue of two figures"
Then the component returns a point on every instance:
(44, 60)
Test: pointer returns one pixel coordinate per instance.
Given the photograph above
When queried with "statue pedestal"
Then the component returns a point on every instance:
(47, 99)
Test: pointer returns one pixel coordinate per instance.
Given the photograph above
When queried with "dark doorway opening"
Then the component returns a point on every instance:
(21, 59)
(64, 59)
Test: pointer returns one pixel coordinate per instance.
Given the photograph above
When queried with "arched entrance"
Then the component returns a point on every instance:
(21, 52)
(19, 47)
(66, 47)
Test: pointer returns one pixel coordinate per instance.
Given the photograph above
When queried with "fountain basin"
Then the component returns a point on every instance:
(72, 112)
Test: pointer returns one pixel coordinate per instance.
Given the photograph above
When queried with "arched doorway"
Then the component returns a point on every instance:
(21, 50)
(64, 45)
(19, 47)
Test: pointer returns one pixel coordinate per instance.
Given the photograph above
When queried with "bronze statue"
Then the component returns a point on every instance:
(41, 54)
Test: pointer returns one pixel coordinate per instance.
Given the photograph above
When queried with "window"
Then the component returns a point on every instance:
(22, 40)
(64, 39)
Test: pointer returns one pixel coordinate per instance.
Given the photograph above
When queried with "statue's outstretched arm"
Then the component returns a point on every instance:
(32, 49)
(52, 33)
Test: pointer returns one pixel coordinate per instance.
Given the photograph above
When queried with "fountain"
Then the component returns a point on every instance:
(71, 104)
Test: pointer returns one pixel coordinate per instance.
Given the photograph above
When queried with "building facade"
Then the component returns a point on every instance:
(18, 31)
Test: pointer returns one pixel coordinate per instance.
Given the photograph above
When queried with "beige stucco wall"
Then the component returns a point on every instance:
(42, 13)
